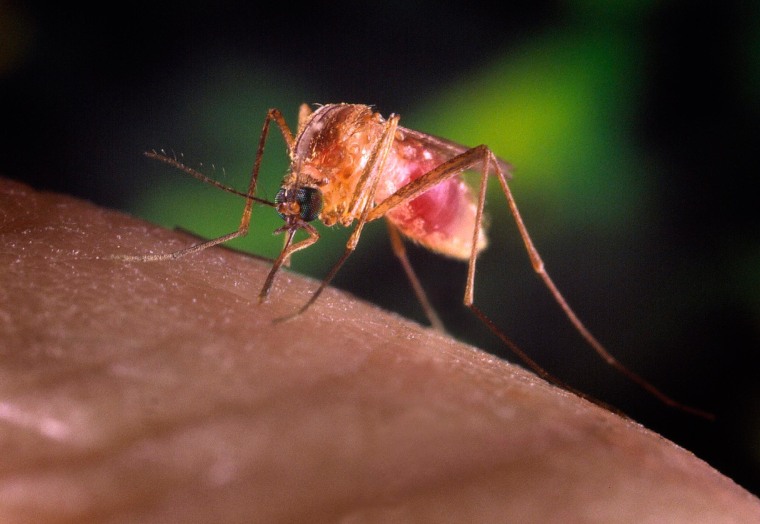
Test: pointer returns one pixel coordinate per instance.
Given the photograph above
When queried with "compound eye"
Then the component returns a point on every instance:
(310, 202)
(306, 202)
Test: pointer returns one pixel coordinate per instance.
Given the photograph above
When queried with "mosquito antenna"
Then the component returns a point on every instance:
(172, 161)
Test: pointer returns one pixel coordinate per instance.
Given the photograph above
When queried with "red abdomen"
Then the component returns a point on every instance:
(443, 218)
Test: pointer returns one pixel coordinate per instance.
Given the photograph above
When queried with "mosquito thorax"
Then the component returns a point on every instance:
(303, 202)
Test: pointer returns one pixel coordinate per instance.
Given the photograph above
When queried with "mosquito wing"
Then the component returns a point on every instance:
(446, 148)
(444, 217)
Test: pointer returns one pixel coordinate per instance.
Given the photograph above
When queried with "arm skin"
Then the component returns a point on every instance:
(162, 392)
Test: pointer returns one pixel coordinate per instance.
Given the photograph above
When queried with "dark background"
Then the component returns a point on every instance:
(634, 132)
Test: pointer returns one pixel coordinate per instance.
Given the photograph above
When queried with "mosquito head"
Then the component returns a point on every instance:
(303, 204)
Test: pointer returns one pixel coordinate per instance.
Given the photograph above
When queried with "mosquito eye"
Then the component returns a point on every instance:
(310, 200)
(306, 203)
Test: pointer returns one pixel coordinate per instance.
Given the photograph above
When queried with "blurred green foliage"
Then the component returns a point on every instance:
(559, 110)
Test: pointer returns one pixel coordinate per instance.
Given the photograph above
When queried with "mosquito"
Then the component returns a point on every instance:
(350, 166)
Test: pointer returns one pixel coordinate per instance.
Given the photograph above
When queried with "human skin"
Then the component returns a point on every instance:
(164, 392)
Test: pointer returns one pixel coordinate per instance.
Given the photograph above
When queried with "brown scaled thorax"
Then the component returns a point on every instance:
(331, 151)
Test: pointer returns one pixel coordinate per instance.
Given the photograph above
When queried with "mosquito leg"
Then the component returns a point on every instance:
(540, 269)
(286, 252)
(397, 244)
(245, 219)
(469, 292)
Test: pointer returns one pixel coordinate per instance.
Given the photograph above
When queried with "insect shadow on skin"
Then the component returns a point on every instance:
(349, 166)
